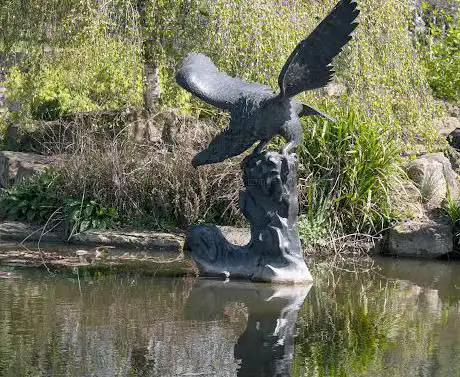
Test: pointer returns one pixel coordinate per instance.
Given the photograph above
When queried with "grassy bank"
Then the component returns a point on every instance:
(129, 182)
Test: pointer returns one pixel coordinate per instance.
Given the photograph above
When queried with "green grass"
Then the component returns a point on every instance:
(348, 170)
(451, 208)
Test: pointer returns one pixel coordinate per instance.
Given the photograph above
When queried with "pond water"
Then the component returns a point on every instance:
(402, 321)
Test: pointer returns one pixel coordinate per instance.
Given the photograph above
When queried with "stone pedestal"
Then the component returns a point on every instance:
(270, 204)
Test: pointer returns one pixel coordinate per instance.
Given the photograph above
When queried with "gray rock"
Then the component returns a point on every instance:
(18, 231)
(452, 109)
(14, 166)
(421, 239)
(408, 201)
(435, 178)
(13, 106)
(155, 241)
(13, 137)
(447, 125)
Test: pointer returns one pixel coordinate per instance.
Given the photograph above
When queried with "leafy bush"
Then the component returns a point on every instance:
(97, 59)
(442, 55)
(84, 214)
(35, 199)
(40, 198)
(96, 77)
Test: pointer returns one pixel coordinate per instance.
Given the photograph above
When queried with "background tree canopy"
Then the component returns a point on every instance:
(89, 55)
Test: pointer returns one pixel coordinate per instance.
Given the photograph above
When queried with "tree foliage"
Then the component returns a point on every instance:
(440, 46)
(251, 39)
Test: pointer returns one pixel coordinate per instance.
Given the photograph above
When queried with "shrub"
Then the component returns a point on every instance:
(441, 51)
(347, 172)
(95, 77)
(40, 198)
(36, 198)
(97, 60)
(149, 184)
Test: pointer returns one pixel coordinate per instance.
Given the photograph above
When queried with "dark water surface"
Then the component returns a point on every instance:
(402, 321)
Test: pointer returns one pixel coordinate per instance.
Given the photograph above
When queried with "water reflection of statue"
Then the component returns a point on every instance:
(266, 347)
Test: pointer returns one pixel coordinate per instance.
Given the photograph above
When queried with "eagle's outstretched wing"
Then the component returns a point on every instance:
(200, 76)
(308, 66)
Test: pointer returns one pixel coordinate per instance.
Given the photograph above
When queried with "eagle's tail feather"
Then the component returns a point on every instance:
(308, 110)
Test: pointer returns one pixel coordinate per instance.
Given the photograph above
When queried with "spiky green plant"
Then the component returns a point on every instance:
(451, 208)
(353, 163)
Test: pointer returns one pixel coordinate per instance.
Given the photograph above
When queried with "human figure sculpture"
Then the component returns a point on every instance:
(257, 114)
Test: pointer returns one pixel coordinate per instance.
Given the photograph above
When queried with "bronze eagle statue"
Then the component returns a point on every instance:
(256, 112)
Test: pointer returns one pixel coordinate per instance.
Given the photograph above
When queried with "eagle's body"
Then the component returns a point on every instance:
(253, 120)
(256, 112)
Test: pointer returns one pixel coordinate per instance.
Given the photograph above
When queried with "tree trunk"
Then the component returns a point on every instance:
(150, 76)
(151, 81)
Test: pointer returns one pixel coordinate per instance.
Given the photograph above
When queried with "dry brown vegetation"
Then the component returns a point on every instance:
(143, 169)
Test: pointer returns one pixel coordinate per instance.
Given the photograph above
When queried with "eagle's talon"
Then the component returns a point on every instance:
(258, 149)
(288, 149)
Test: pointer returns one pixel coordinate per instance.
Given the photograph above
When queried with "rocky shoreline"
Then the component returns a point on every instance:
(156, 241)
(162, 254)
(107, 251)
